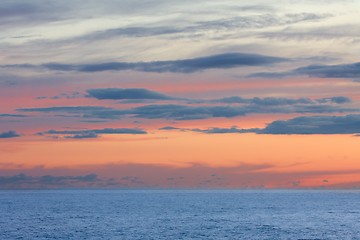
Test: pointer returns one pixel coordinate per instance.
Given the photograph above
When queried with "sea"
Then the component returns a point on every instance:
(179, 214)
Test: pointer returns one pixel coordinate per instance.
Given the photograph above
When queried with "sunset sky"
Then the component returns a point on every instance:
(179, 94)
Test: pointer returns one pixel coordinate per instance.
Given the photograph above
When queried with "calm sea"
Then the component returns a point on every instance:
(179, 214)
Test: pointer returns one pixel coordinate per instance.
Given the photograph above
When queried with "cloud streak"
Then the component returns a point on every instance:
(351, 70)
(185, 112)
(92, 133)
(221, 61)
(274, 101)
(125, 93)
(48, 181)
(12, 115)
(349, 124)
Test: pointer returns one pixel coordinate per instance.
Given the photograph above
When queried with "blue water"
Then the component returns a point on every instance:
(179, 214)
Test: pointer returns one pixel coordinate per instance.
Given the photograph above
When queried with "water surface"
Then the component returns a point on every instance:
(179, 214)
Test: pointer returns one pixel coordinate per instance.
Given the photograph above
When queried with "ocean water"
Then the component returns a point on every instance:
(179, 214)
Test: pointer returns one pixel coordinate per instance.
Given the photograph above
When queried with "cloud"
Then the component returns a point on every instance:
(9, 134)
(257, 21)
(71, 95)
(126, 93)
(337, 100)
(186, 112)
(12, 115)
(331, 71)
(139, 95)
(83, 135)
(271, 101)
(225, 130)
(130, 32)
(351, 71)
(349, 31)
(214, 130)
(349, 124)
(210, 130)
(70, 109)
(221, 61)
(182, 112)
(121, 175)
(11, 10)
(48, 181)
(170, 128)
(92, 133)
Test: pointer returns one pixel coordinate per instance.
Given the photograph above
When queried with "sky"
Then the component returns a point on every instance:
(179, 94)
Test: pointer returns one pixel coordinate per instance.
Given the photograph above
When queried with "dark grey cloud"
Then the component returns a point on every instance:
(83, 135)
(349, 124)
(9, 134)
(337, 100)
(48, 181)
(92, 133)
(126, 93)
(186, 112)
(170, 128)
(140, 95)
(71, 95)
(273, 101)
(268, 101)
(221, 61)
(12, 115)
(351, 71)
(331, 71)
(225, 130)
(70, 109)
(214, 130)
(169, 111)
(182, 112)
